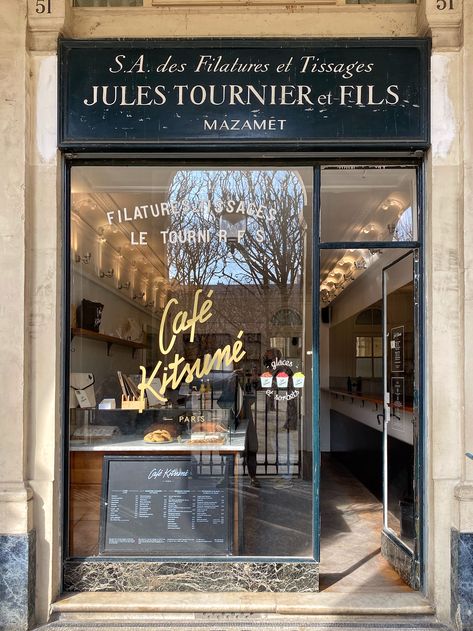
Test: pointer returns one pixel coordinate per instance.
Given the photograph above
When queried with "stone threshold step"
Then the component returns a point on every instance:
(306, 624)
(94, 604)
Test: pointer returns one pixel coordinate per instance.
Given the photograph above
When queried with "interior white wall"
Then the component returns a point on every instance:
(367, 288)
(91, 355)
(359, 295)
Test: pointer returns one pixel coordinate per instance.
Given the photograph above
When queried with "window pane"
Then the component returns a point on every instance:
(378, 367)
(364, 367)
(377, 347)
(364, 347)
(191, 284)
(368, 204)
(369, 316)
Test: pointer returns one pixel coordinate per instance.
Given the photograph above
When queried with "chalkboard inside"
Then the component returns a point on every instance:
(166, 505)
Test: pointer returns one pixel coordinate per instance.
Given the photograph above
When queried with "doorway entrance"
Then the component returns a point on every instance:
(370, 380)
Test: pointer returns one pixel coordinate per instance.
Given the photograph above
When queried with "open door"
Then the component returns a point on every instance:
(400, 536)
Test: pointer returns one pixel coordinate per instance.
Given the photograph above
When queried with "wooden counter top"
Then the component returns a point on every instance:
(369, 398)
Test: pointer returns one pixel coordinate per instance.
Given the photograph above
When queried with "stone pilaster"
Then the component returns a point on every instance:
(462, 532)
(444, 245)
(16, 534)
(43, 235)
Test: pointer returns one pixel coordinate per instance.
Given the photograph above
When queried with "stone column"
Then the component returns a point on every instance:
(16, 532)
(44, 227)
(452, 31)
(444, 260)
(462, 531)
(30, 267)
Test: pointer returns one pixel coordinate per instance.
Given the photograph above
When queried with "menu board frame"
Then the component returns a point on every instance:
(159, 461)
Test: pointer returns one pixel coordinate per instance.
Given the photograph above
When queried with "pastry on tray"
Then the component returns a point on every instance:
(208, 426)
(96, 432)
(158, 436)
(206, 439)
(163, 432)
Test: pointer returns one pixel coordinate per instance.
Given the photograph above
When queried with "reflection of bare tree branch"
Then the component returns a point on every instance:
(267, 262)
(271, 251)
(194, 263)
(235, 280)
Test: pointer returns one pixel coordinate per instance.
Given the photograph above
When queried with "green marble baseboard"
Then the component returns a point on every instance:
(17, 581)
(402, 561)
(129, 576)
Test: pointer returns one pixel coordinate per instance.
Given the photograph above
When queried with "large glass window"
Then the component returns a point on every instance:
(190, 427)
(371, 204)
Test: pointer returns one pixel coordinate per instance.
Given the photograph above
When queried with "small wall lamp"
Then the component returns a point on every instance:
(83, 259)
(109, 273)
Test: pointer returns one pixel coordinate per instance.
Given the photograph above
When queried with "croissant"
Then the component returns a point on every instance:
(158, 436)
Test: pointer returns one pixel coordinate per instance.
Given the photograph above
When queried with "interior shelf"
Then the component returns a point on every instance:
(108, 339)
(370, 398)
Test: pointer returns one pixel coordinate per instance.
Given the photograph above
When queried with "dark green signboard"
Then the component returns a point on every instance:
(196, 93)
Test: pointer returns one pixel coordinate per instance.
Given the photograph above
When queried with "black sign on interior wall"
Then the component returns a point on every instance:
(180, 93)
(165, 505)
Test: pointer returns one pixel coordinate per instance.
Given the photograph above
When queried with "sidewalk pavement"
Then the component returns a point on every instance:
(253, 622)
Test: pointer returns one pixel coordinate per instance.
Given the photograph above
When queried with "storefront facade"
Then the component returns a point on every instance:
(199, 201)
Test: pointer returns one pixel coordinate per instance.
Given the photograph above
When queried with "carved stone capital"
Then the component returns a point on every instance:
(442, 20)
(464, 492)
(47, 20)
(463, 513)
(15, 507)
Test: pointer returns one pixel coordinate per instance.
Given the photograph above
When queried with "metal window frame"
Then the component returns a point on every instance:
(317, 161)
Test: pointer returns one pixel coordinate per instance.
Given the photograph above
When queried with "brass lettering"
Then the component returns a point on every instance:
(174, 373)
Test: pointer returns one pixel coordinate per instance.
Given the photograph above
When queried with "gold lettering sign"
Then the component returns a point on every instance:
(177, 370)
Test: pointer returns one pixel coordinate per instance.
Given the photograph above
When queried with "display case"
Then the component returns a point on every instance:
(201, 430)
(168, 429)
(203, 414)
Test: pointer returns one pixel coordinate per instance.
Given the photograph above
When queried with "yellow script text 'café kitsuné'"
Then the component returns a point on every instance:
(178, 370)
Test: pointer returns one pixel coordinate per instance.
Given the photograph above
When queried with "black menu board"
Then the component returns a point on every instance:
(166, 505)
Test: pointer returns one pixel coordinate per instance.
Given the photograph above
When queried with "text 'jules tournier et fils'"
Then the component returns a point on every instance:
(352, 86)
